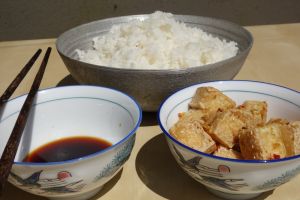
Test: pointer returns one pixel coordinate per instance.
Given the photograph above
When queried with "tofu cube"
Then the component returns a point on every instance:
(190, 132)
(227, 153)
(258, 109)
(263, 143)
(227, 125)
(210, 101)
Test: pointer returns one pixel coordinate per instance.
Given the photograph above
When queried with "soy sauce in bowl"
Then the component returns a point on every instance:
(67, 149)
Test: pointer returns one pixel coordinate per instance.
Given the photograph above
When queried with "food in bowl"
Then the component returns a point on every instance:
(142, 83)
(214, 124)
(277, 139)
(158, 42)
(68, 148)
(76, 116)
(227, 177)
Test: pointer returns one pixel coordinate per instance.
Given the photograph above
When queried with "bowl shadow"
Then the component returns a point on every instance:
(68, 80)
(159, 171)
(11, 192)
(149, 119)
(108, 186)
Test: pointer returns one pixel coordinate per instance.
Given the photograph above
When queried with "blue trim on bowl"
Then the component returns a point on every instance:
(80, 97)
(217, 157)
(131, 133)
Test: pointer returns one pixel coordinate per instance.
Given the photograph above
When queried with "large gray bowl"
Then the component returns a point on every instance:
(150, 87)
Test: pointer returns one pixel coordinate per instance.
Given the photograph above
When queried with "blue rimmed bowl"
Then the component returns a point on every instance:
(69, 112)
(233, 178)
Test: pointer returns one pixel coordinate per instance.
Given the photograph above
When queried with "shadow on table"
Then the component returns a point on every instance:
(11, 192)
(68, 80)
(107, 187)
(159, 171)
(149, 118)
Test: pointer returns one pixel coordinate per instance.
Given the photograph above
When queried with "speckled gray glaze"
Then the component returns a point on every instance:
(150, 87)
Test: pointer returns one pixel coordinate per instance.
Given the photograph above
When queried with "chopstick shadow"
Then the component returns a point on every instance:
(159, 171)
(1, 112)
(149, 118)
(25, 143)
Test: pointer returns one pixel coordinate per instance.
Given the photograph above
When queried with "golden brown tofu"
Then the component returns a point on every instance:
(287, 135)
(213, 124)
(210, 101)
(258, 109)
(296, 133)
(226, 126)
(262, 143)
(290, 135)
(189, 131)
(227, 153)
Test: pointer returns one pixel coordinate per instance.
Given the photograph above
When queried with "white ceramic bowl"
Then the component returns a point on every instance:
(231, 178)
(66, 112)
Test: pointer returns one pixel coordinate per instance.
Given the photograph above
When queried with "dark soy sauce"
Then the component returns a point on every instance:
(67, 149)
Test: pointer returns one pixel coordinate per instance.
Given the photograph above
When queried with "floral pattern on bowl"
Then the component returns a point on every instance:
(207, 175)
(119, 159)
(63, 183)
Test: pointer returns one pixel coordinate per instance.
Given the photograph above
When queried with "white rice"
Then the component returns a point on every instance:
(159, 42)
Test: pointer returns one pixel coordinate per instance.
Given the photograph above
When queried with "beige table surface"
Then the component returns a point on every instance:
(151, 172)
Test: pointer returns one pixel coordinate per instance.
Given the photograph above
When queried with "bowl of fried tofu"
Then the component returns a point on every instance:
(238, 138)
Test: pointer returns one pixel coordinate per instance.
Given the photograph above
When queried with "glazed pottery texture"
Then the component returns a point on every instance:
(233, 178)
(150, 87)
(69, 112)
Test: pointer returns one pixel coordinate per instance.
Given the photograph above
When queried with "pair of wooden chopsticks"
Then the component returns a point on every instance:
(11, 147)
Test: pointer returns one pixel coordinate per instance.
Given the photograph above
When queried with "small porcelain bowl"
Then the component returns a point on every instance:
(68, 112)
(233, 178)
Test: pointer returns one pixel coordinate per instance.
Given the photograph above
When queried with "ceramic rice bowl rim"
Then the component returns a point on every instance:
(167, 71)
(210, 156)
(120, 142)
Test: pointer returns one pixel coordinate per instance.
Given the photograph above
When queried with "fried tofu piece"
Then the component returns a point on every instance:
(263, 143)
(226, 126)
(296, 133)
(190, 132)
(227, 153)
(290, 134)
(287, 134)
(258, 109)
(210, 101)
(277, 139)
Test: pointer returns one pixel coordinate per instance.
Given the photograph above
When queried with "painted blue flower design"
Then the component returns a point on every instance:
(207, 175)
(275, 182)
(63, 183)
(119, 159)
